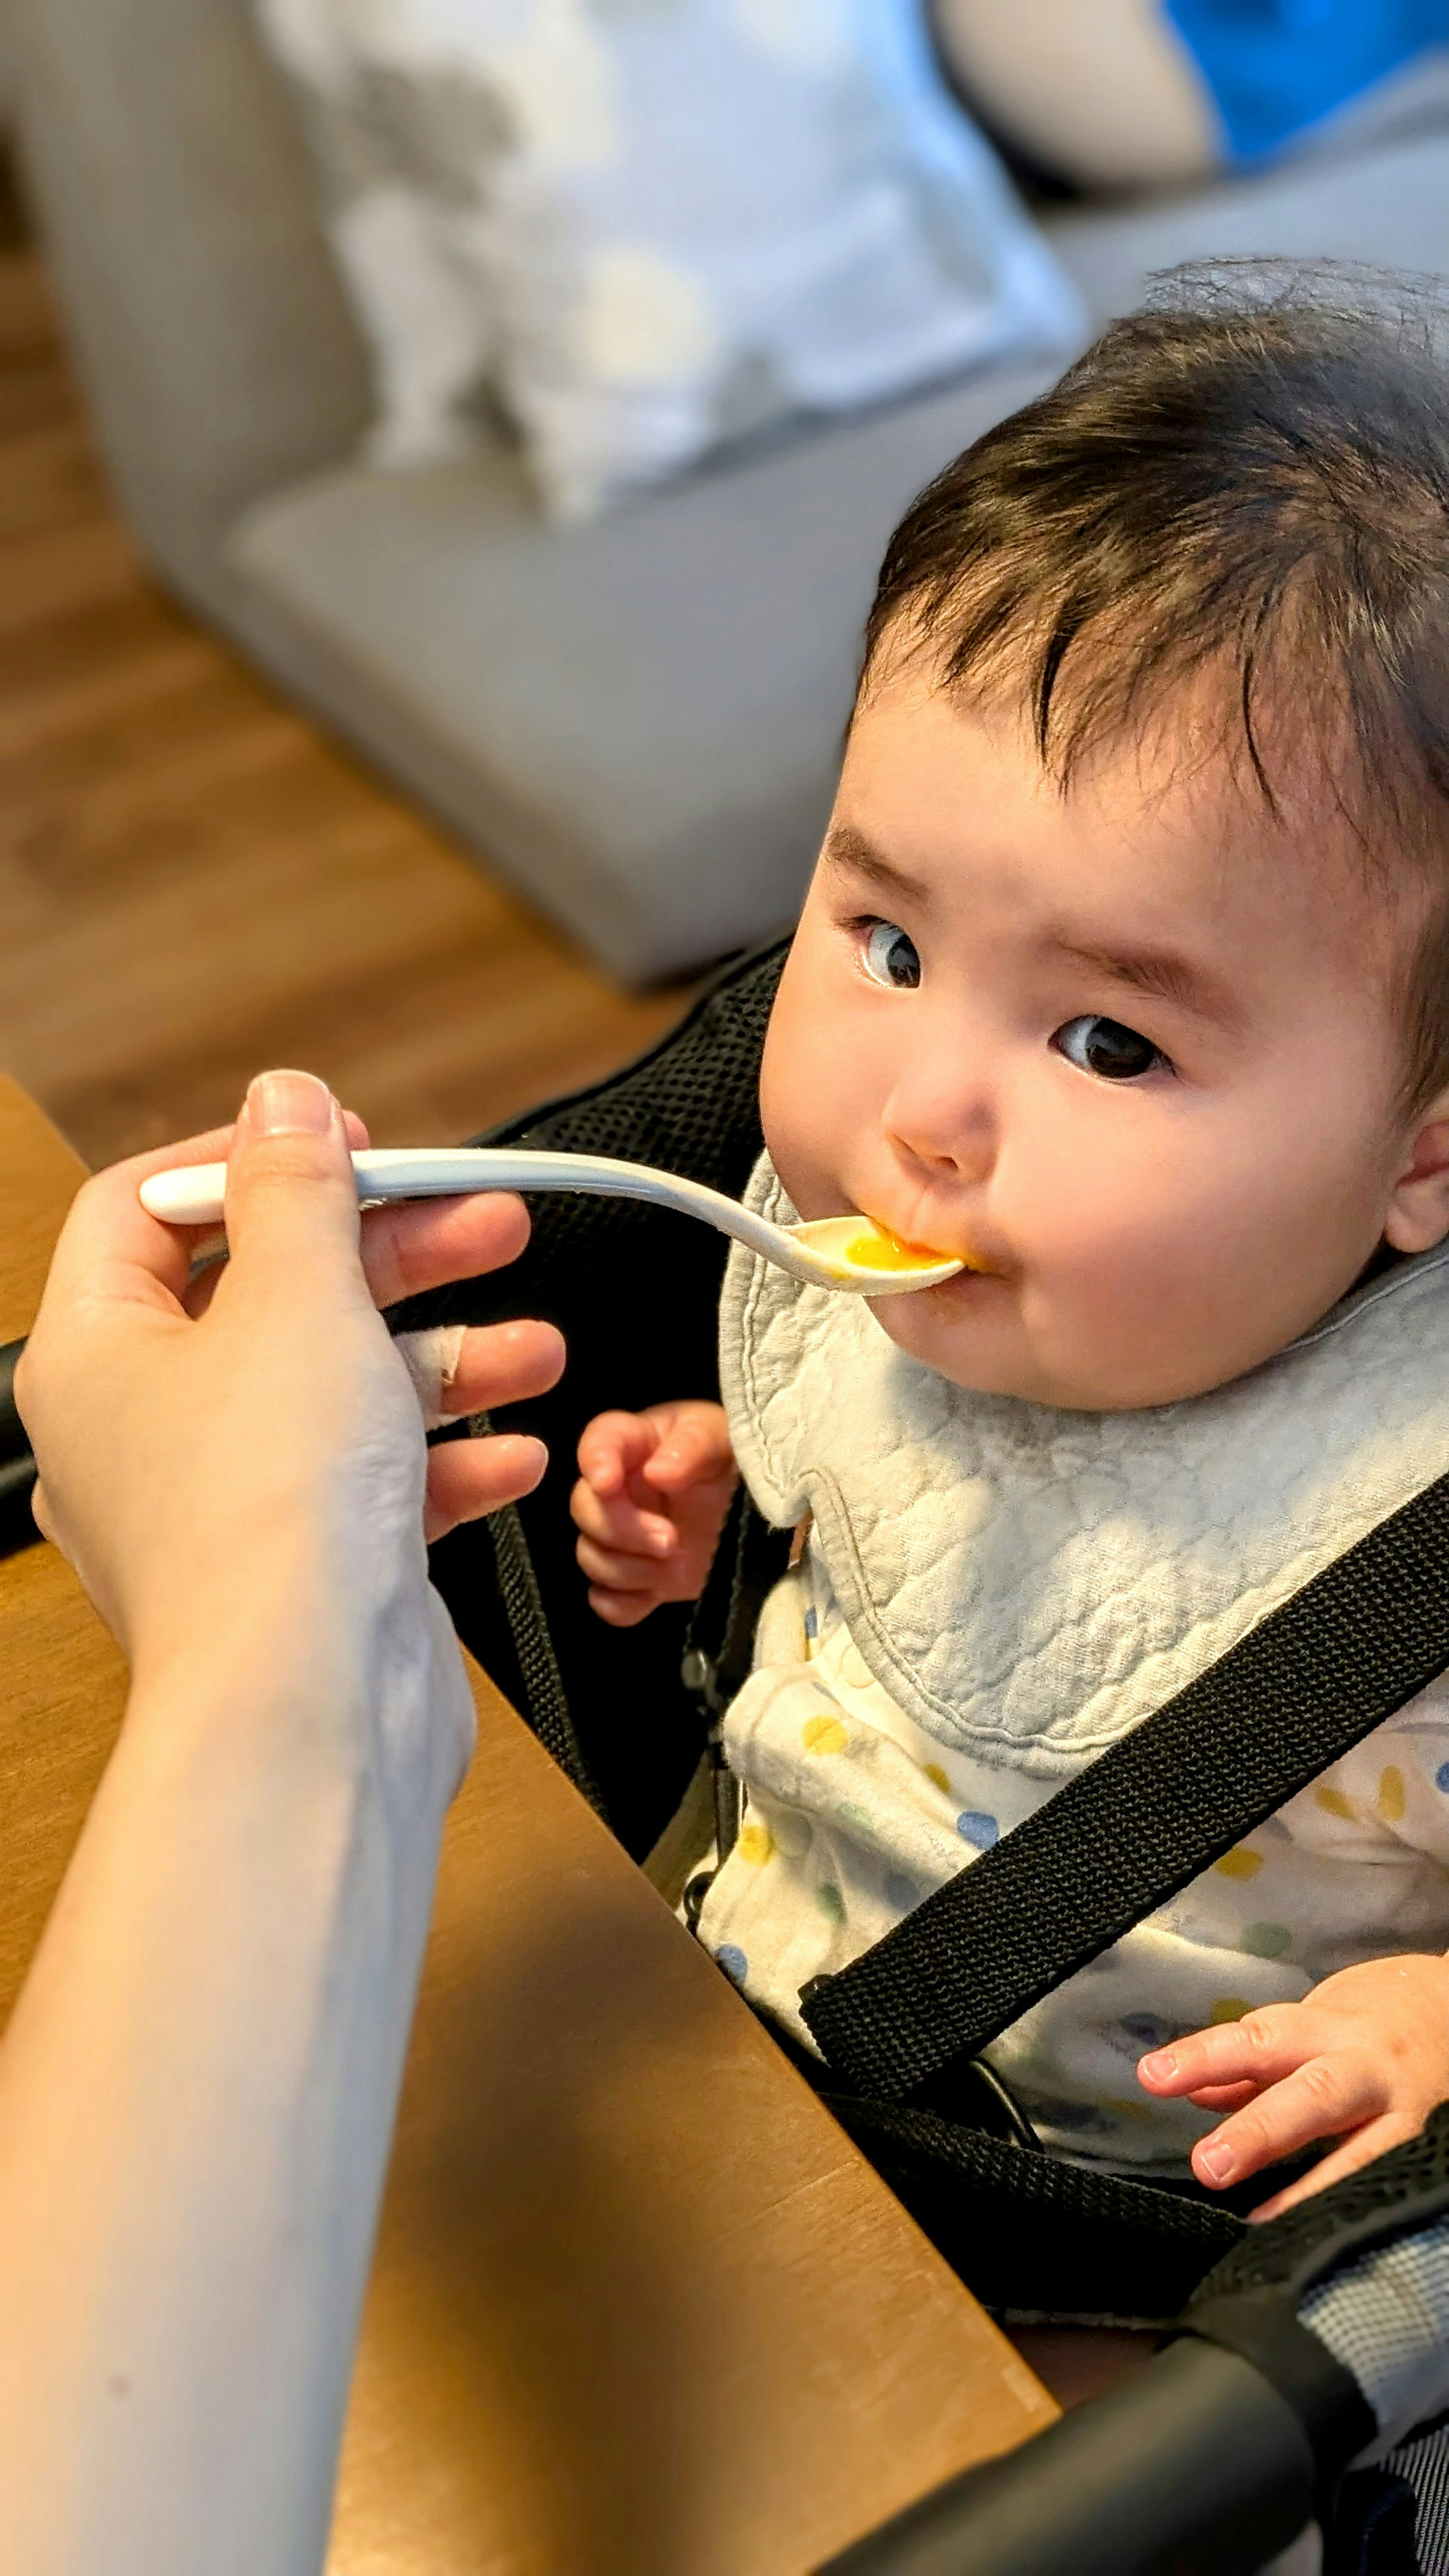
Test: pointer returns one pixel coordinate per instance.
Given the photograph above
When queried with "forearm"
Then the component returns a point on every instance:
(196, 2099)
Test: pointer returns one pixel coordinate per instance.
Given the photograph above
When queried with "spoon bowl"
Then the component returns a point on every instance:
(847, 1252)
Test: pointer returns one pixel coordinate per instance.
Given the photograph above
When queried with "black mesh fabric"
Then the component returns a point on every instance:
(690, 1106)
(1422, 2464)
(1395, 2196)
(1027, 2232)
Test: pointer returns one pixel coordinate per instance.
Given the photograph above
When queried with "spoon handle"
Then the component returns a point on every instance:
(195, 1194)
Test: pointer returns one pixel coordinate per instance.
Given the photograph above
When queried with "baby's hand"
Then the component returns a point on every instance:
(650, 1505)
(1363, 2058)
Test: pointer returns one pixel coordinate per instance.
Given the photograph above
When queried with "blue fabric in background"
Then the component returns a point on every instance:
(1275, 66)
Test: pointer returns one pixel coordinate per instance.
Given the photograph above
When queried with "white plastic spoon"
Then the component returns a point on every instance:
(831, 1252)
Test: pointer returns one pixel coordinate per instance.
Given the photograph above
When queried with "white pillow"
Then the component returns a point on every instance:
(652, 227)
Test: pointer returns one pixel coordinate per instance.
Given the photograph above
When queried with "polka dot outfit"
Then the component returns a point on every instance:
(853, 1814)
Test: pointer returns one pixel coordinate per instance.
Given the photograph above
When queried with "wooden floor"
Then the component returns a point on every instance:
(195, 883)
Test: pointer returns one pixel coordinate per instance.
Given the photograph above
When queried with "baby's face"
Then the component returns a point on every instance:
(1129, 1051)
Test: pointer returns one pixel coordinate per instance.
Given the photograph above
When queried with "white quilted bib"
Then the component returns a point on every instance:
(1028, 1583)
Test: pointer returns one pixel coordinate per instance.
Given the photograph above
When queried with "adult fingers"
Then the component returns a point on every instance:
(207, 1245)
(413, 1244)
(113, 1266)
(109, 1244)
(614, 1521)
(1223, 2097)
(467, 1478)
(503, 1364)
(1320, 2100)
(291, 1201)
(1374, 2139)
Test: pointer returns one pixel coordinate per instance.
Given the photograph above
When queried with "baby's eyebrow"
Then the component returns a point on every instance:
(1164, 972)
(846, 846)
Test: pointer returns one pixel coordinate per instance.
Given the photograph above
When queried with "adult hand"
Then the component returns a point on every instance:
(197, 2085)
(180, 1451)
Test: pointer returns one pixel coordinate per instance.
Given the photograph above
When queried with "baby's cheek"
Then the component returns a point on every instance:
(804, 1170)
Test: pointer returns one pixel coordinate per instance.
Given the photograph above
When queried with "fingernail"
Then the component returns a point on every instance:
(286, 1103)
(1159, 2067)
(1215, 2162)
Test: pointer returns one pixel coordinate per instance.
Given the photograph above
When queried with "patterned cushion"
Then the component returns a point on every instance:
(648, 229)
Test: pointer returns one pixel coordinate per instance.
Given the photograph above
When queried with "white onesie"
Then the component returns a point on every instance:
(992, 1593)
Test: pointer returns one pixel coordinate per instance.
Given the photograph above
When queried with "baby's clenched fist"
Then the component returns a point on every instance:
(650, 1503)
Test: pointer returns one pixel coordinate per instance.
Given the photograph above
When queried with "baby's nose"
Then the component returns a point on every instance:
(949, 1134)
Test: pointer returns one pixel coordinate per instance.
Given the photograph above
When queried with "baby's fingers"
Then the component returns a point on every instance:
(613, 1521)
(622, 1589)
(616, 1571)
(613, 1447)
(620, 1609)
(1222, 2097)
(1258, 2050)
(1367, 2143)
(1320, 2100)
(694, 1448)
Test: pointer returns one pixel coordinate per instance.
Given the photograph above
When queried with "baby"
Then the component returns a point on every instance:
(1123, 976)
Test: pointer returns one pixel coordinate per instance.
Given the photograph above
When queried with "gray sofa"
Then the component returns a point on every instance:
(636, 723)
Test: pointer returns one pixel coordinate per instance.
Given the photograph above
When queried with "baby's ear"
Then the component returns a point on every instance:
(1418, 1209)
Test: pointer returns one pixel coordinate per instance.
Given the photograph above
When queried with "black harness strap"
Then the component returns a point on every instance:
(547, 1709)
(1305, 1686)
(749, 1560)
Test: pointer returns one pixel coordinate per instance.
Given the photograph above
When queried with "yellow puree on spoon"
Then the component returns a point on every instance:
(877, 1250)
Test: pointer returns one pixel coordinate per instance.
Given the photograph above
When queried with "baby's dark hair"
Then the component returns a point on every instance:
(1245, 486)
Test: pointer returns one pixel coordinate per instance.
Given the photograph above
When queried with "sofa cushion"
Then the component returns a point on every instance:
(648, 232)
(639, 722)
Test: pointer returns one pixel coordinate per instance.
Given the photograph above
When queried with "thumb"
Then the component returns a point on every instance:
(291, 1199)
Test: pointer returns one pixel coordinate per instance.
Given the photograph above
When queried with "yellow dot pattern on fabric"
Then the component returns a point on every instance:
(1229, 2008)
(937, 1777)
(755, 1844)
(1334, 1803)
(824, 1735)
(1242, 1863)
(1391, 1799)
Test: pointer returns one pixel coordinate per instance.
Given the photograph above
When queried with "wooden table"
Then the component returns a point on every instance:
(638, 2308)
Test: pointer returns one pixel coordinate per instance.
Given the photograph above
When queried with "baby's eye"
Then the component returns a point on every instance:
(891, 957)
(1105, 1047)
